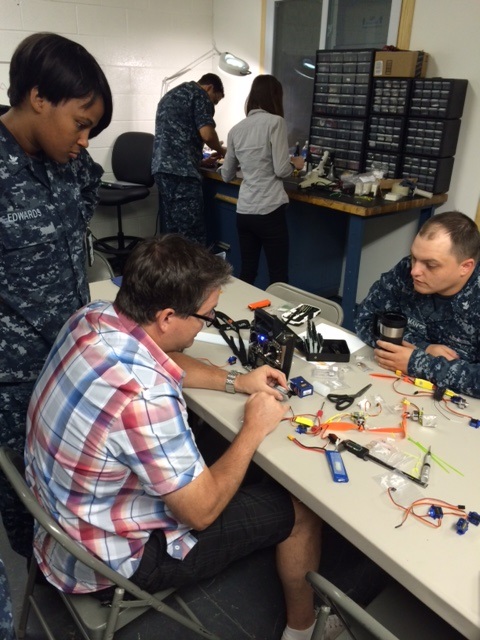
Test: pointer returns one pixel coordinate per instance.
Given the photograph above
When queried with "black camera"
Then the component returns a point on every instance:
(271, 342)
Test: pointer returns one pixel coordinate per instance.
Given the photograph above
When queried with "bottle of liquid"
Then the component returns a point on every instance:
(307, 158)
(297, 149)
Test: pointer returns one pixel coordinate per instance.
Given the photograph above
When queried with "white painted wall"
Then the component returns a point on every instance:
(138, 43)
(237, 27)
(448, 31)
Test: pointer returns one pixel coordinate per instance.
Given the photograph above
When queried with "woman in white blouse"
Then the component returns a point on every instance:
(259, 145)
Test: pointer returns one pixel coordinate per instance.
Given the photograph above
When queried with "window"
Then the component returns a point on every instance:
(297, 28)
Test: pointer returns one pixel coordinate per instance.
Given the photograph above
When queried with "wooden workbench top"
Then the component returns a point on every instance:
(355, 205)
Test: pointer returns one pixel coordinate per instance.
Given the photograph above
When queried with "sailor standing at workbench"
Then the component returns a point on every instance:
(183, 124)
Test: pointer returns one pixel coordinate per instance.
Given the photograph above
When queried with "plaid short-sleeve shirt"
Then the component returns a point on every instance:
(107, 437)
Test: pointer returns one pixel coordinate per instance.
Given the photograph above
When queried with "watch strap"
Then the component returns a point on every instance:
(230, 381)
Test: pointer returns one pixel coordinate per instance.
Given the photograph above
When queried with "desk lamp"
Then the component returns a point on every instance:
(307, 68)
(227, 62)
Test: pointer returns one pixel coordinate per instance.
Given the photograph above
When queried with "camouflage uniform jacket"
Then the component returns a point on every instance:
(454, 323)
(44, 211)
(7, 630)
(177, 148)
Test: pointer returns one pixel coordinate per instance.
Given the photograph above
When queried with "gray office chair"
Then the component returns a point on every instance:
(331, 311)
(94, 620)
(101, 269)
(395, 614)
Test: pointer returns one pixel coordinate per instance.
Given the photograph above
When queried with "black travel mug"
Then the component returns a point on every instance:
(390, 326)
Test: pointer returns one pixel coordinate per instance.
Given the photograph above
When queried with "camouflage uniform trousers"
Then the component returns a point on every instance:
(181, 206)
(18, 523)
(7, 631)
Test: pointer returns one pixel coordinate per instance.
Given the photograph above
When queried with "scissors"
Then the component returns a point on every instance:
(344, 400)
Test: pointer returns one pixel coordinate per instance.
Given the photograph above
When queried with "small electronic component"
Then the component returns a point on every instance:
(474, 422)
(474, 518)
(416, 416)
(259, 305)
(337, 468)
(358, 419)
(423, 384)
(307, 422)
(435, 512)
(423, 419)
(461, 526)
(439, 393)
(459, 401)
(301, 387)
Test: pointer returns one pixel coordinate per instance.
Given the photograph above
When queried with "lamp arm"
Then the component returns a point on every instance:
(209, 54)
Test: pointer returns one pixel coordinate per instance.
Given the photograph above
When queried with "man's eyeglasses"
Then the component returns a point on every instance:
(209, 320)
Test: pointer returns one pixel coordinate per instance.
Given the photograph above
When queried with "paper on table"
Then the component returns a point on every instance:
(328, 331)
(332, 332)
(214, 338)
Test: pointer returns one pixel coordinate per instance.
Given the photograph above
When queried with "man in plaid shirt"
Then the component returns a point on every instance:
(111, 455)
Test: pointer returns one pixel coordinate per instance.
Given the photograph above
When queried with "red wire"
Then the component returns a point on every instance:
(425, 518)
(303, 446)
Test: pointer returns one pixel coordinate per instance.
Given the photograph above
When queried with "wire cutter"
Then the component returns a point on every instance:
(344, 400)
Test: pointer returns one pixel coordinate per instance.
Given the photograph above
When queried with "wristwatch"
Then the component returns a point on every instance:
(230, 381)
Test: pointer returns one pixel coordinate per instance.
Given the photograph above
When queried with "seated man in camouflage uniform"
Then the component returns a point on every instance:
(438, 289)
(59, 98)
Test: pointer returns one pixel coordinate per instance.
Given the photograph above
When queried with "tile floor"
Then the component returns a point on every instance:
(245, 602)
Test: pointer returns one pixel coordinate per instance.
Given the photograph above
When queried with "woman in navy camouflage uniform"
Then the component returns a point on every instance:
(7, 631)
(59, 98)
